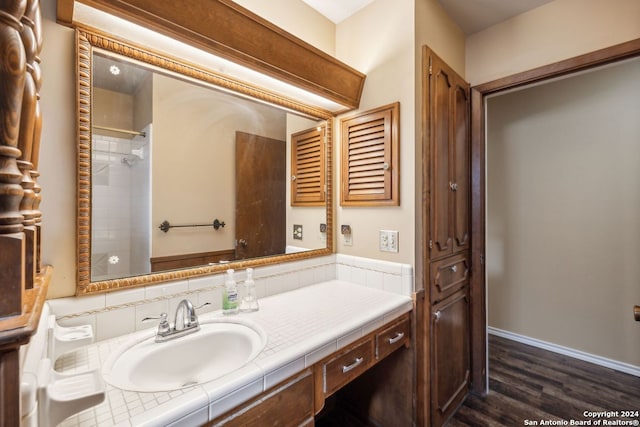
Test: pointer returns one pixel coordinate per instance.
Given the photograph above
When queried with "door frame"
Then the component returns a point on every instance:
(479, 347)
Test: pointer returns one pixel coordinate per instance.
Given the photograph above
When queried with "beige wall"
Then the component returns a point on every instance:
(194, 132)
(379, 42)
(297, 18)
(58, 153)
(563, 212)
(555, 31)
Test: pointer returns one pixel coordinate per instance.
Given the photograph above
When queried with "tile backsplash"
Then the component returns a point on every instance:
(120, 312)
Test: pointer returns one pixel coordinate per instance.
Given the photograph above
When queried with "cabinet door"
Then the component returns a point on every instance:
(461, 168)
(440, 85)
(450, 355)
(448, 118)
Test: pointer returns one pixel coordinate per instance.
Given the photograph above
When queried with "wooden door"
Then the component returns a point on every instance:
(260, 196)
(450, 366)
(448, 127)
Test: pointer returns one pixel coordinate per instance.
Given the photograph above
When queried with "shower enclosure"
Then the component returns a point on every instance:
(120, 203)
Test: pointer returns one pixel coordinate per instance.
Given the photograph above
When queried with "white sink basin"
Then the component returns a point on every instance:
(218, 348)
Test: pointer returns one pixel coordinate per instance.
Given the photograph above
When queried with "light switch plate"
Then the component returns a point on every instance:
(388, 240)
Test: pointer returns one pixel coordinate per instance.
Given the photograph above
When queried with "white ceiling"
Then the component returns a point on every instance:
(337, 10)
(471, 15)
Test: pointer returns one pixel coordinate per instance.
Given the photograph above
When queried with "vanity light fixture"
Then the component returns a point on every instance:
(114, 70)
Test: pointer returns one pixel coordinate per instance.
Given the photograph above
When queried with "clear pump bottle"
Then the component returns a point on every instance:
(230, 294)
(250, 299)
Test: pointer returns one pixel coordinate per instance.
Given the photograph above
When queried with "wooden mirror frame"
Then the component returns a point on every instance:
(86, 40)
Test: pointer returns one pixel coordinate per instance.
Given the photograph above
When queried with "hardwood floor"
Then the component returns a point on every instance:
(527, 383)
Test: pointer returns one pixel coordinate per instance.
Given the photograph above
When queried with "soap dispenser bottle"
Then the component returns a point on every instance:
(230, 294)
(250, 300)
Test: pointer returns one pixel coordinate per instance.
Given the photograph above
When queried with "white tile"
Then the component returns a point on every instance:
(196, 418)
(358, 276)
(374, 279)
(235, 398)
(124, 297)
(307, 276)
(349, 338)
(174, 409)
(150, 310)
(372, 326)
(114, 323)
(166, 289)
(343, 272)
(320, 353)
(342, 258)
(407, 270)
(197, 283)
(73, 305)
(261, 289)
(214, 298)
(279, 375)
(392, 283)
(281, 283)
(407, 285)
(398, 312)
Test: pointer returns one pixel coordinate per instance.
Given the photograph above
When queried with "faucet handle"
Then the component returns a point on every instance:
(163, 326)
(202, 305)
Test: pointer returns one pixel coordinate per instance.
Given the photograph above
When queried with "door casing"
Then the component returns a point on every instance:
(479, 359)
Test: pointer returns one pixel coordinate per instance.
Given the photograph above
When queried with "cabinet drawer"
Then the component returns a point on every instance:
(293, 397)
(393, 337)
(346, 366)
(448, 275)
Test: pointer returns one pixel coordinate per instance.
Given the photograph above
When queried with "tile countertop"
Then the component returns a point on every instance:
(303, 326)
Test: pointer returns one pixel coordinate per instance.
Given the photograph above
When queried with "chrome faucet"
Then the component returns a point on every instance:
(185, 317)
(186, 322)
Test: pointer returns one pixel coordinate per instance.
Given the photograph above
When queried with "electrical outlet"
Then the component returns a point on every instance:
(347, 236)
(388, 241)
(297, 232)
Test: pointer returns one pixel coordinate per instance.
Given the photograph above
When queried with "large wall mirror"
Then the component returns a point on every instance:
(184, 172)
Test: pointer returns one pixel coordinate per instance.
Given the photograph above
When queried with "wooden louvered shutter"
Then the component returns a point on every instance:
(308, 184)
(370, 158)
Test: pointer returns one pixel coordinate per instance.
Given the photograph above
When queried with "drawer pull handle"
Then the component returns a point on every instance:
(397, 338)
(454, 268)
(355, 364)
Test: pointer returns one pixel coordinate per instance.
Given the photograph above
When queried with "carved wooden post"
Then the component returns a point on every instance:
(25, 143)
(12, 77)
(37, 133)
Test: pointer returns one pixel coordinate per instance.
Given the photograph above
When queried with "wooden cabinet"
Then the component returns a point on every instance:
(345, 366)
(449, 162)
(448, 276)
(337, 370)
(449, 355)
(295, 401)
(293, 397)
(446, 267)
(392, 338)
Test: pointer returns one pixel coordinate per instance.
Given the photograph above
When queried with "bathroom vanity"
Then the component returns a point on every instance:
(319, 338)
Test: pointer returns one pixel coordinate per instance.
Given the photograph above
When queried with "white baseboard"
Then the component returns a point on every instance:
(576, 354)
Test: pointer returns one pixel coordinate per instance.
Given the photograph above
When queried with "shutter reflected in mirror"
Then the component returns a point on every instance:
(308, 167)
(370, 158)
